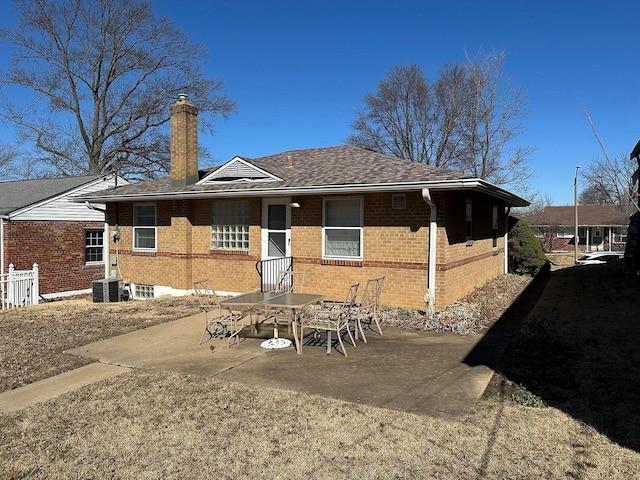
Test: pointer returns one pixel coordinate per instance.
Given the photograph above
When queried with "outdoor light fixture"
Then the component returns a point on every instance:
(294, 205)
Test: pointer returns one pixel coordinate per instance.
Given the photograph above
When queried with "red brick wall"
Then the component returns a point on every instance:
(57, 248)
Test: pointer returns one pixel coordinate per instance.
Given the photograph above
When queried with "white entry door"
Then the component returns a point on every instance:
(276, 228)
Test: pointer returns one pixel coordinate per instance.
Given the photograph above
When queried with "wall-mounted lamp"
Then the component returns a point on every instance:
(294, 205)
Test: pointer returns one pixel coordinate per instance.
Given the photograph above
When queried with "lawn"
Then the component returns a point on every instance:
(577, 360)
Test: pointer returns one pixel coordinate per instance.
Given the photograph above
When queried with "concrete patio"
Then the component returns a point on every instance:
(417, 372)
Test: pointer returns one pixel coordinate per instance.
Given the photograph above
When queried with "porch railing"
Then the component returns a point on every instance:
(19, 288)
(268, 271)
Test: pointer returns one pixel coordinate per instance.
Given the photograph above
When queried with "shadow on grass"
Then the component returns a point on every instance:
(573, 340)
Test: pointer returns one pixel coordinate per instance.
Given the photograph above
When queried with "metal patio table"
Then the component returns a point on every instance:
(291, 300)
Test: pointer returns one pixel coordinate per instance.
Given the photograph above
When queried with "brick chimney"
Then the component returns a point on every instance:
(184, 143)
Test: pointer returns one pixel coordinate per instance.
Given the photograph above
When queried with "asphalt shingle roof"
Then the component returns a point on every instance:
(19, 194)
(314, 169)
(588, 215)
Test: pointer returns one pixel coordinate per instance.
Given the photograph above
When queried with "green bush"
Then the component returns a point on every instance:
(527, 398)
(525, 253)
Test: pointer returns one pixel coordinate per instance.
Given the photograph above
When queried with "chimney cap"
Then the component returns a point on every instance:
(183, 97)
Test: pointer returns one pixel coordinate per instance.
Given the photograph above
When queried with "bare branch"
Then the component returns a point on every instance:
(99, 79)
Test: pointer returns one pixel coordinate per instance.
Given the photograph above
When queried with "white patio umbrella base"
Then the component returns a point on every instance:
(275, 343)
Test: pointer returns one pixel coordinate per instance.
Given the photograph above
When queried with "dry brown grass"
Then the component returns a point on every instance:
(150, 425)
(34, 338)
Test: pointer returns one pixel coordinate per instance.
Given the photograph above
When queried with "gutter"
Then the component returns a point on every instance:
(430, 291)
(466, 184)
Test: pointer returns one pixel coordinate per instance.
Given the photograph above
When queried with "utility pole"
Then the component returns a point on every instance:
(575, 206)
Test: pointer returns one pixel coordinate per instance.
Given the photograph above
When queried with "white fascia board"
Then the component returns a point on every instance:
(463, 184)
(483, 186)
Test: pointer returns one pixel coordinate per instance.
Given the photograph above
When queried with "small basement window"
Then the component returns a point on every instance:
(144, 291)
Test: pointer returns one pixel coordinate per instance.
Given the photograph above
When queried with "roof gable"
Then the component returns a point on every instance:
(49, 198)
(17, 195)
(237, 170)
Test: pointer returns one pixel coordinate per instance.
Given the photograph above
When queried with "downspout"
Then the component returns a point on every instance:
(430, 291)
(506, 240)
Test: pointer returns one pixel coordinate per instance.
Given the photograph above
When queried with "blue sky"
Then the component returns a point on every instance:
(300, 69)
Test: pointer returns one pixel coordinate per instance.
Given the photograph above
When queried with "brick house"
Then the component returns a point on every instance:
(39, 223)
(342, 214)
(600, 227)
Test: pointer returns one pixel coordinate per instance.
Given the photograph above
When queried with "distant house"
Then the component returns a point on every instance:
(340, 214)
(40, 224)
(600, 227)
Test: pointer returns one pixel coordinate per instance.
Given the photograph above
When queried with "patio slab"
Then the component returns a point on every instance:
(418, 372)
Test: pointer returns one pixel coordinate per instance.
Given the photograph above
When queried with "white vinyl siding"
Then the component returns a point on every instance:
(144, 227)
(62, 208)
(342, 228)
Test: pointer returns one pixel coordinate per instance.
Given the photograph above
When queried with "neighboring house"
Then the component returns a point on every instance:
(343, 214)
(631, 258)
(600, 227)
(39, 223)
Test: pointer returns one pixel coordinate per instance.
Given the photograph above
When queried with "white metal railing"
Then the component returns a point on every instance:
(19, 288)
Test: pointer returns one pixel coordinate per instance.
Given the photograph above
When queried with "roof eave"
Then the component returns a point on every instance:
(464, 184)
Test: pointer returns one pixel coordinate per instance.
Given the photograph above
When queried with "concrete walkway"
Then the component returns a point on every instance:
(418, 372)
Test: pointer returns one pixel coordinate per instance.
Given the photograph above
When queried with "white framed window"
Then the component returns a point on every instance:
(230, 225)
(468, 228)
(144, 227)
(342, 227)
(620, 235)
(94, 245)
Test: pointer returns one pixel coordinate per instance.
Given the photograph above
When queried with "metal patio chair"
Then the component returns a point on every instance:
(330, 317)
(369, 305)
(219, 321)
(289, 281)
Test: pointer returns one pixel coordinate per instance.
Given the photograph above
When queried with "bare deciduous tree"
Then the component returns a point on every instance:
(100, 77)
(466, 120)
(608, 181)
(492, 118)
(397, 119)
(612, 177)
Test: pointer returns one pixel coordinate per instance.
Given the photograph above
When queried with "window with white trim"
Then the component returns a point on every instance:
(144, 227)
(93, 245)
(230, 225)
(342, 227)
(468, 229)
